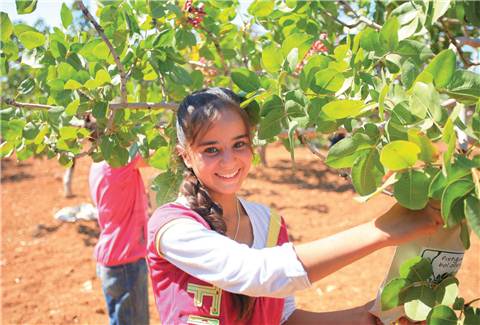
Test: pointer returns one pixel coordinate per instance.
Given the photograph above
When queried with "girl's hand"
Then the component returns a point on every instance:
(399, 224)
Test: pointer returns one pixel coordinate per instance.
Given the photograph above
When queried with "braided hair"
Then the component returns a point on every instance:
(195, 115)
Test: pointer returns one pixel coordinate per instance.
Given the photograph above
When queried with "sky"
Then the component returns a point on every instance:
(49, 10)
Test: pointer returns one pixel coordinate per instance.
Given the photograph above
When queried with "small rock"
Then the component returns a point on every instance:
(100, 311)
(330, 288)
(87, 286)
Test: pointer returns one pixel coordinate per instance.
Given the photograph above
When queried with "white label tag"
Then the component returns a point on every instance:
(444, 263)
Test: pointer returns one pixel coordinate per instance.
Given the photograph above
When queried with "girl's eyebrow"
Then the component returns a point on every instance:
(209, 143)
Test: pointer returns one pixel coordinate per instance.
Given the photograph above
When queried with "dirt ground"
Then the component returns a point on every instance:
(47, 270)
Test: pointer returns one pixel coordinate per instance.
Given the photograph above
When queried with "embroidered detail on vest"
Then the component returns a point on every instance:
(273, 228)
(199, 291)
(192, 319)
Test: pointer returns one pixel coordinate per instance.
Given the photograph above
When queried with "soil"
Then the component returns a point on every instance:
(48, 273)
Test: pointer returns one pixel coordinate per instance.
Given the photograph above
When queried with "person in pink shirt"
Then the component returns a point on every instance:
(119, 194)
(216, 258)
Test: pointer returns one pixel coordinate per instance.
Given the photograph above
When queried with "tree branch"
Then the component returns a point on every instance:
(218, 48)
(113, 107)
(149, 106)
(452, 39)
(29, 106)
(360, 19)
(121, 68)
(201, 65)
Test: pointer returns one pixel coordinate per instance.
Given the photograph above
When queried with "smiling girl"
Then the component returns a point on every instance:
(216, 258)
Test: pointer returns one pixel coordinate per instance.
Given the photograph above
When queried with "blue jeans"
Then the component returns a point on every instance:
(126, 291)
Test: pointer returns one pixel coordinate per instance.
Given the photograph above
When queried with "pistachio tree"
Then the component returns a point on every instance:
(398, 76)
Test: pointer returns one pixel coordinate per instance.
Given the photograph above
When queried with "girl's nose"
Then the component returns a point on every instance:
(227, 157)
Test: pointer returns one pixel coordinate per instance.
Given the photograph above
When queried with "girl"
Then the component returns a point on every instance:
(216, 258)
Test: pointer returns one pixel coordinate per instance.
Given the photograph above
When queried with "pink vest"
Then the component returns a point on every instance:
(184, 299)
(119, 194)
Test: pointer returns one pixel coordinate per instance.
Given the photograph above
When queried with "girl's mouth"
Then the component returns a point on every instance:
(228, 175)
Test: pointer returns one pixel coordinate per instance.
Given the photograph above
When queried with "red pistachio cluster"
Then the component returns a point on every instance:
(317, 47)
(194, 15)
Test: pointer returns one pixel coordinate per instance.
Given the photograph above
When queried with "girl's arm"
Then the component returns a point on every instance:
(358, 315)
(397, 225)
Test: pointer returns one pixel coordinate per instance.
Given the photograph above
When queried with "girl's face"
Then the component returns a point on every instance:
(221, 157)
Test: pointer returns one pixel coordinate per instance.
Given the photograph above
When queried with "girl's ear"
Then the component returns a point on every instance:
(182, 152)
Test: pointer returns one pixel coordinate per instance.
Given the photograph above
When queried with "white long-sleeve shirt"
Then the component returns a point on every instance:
(254, 271)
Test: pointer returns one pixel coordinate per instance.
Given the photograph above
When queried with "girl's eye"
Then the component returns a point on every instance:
(211, 150)
(239, 144)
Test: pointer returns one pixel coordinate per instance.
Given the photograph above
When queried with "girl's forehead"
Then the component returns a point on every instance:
(227, 125)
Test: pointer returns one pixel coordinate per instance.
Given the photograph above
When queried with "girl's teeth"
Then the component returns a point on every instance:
(229, 175)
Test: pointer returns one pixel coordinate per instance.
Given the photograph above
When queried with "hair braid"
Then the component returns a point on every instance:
(201, 202)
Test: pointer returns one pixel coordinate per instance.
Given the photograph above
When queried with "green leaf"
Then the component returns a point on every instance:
(72, 107)
(411, 190)
(6, 27)
(13, 130)
(6, 149)
(271, 124)
(65, 71)
(66, 15)
(416, 269)
(296, 40)
(27, 86)
(119, 157)
(106, 146)
(442, 315)
(99, 110)
(442, 68)
(184, 39)
(447, 291)
(181, 76)
(465, 235)
(458, 304)
(72, 85)
(68, 132)
(271, 58)
(419, 302)
(245, 79)
(424, 98)
(292, 59)
(166, 185)
(418, 51)
(370, 40)
(440, 7)
(472, 213)
(428, 152)
(157, 8)
(160, 159)
(102, 77)
(31, 39)
(464, 86)
(344, 153)
(391, 294)
(400, 154)
(343, 108)
(367, 172)
(327, 81)
(472, 316)
(30, 131)
(389, 33)
(91, 84)
(261, 8)
(452, 193)
(25, 6)
(101, 51)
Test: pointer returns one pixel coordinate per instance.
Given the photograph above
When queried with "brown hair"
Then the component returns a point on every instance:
(194, 116)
